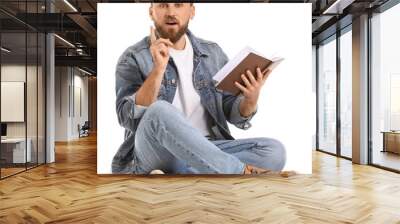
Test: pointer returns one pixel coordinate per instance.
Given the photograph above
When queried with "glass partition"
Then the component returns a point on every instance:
(327, 96)
(31, 100)
(22, 88)
(33, 63)
(14, 153)
(346, 93)
(41, 109)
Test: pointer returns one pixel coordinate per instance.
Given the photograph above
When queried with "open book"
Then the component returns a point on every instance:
(247, 58)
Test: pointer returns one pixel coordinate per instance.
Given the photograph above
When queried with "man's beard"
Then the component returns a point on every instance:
(167, 34)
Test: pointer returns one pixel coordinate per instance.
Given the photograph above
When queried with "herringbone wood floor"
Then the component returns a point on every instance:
(70, 191)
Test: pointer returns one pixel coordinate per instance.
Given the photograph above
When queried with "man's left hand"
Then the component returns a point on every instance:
(251, 90)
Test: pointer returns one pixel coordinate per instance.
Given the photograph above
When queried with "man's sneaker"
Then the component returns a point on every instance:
(249, 169)
(256, 170)
(157, 172)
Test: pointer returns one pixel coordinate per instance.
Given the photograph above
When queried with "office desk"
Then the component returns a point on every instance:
(391, 141)
(13, 150)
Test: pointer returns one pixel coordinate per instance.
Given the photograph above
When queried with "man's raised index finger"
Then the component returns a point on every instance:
(152, 35)
(166, 42)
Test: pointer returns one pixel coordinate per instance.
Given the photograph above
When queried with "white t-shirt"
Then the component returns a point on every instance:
(186, 98)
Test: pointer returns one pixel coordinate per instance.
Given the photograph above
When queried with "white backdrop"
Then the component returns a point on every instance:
(285, 105)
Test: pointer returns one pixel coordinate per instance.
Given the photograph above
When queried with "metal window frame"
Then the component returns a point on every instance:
(336, 35)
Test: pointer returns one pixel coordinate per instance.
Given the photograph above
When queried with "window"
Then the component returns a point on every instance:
(346, 93)
(327, 96)
(385, 88)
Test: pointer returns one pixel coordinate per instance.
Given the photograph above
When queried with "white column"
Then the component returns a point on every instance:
(50, 99)
(50, 93)
(360, 90)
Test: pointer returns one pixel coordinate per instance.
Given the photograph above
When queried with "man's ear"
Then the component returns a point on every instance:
(151, 12)
(193, 12)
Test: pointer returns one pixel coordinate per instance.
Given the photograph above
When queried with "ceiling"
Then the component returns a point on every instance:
(76, 22)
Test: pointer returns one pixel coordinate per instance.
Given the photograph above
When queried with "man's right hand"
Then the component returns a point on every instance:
(148, 92)
(159, 51)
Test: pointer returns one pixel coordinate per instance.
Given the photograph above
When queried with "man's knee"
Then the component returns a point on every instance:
(158, 109)
(160, 113)
(276, 151)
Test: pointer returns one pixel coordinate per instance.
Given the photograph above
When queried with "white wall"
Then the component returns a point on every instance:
(285, 108)
(80, 84)
(68, 83)
(61, 103)
(16, 72)
(12, 100)
(33, 127)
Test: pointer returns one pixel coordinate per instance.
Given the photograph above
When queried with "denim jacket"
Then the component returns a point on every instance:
(133, 67)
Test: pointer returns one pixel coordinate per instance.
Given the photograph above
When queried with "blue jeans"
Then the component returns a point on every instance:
(165, 140)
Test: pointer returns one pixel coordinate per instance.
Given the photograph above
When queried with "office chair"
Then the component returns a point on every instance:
(84, 130)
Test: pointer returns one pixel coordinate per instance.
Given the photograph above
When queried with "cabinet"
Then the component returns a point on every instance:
(391, 141)
(13, 150)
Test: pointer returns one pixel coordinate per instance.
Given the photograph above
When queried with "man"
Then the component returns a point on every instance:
(175, 119)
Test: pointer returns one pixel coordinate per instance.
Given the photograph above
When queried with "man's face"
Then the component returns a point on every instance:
(171, 19)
